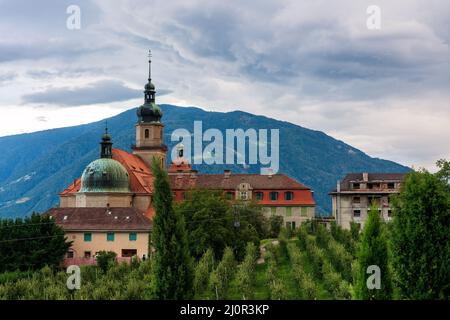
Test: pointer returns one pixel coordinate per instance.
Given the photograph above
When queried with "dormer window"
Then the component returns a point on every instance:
(288, 195)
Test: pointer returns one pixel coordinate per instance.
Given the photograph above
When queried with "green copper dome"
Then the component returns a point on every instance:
(105, 175)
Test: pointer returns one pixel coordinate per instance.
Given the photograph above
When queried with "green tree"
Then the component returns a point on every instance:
(203, 270)
(212, 223)
(373, 251)
(420, 239)
(31, 243)
(245, 276)
(106, 259)
(172, 270)
(276, 222)
(220, 278)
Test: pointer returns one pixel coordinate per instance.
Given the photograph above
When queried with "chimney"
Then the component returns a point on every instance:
(269, 175)
(227, 173)
(338, 186)
(365, 177)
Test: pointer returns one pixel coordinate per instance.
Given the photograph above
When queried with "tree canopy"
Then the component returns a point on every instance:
(31, 243)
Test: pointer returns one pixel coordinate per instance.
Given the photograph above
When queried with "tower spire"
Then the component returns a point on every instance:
(150, 65)
(149, 111)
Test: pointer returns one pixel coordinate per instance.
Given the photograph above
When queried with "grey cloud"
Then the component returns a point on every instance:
(67, 72)
(46, 49)
(99, 92)
(7, 76)
(103, 91)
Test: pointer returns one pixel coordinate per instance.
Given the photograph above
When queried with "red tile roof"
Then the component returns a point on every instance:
(230, 182)
(141, 181)
(99, 219)
(141, 178)
(74, 187)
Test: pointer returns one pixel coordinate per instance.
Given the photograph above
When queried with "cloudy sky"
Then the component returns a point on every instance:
(311, 62)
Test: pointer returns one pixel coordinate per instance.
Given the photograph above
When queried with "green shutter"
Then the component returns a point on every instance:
(110, 236)
(288, 211)
(304, 211)
(132, 236)
(87, 237)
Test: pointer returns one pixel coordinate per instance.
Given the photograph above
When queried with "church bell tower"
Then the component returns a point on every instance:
(149, 129)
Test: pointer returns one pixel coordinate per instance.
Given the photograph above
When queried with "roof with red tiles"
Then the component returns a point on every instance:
(179, 165)
(100, 219)
(141, 180)
(141, 177)
(74, 187)
(231, 181)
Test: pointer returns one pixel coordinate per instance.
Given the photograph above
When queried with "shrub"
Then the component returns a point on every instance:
(105, 259)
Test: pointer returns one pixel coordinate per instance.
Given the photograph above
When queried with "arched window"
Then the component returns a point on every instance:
(147, 133)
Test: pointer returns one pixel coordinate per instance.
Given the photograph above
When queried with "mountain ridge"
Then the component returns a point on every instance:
(35, 167)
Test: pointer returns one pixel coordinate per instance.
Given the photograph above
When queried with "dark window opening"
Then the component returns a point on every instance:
(288, 195)
(356, 213)
(259, 195)
(129, 252)
(229, 195)
(274, 196)
(290, 225)
(147, 133)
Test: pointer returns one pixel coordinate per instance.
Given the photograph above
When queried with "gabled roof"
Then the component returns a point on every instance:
(100, 219)
(227, 182)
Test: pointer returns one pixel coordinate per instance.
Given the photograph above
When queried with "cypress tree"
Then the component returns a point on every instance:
(172, 271)
(420, 237)
(373, 251)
